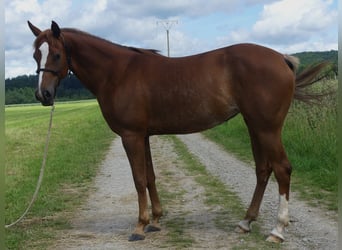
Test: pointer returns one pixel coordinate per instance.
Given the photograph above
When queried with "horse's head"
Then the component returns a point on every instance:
(52, 60)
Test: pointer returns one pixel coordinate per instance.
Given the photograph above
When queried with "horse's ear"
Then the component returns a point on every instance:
(55, 29)
(34, 29)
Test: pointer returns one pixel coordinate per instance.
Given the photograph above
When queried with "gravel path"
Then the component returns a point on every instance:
(108, 217)
(310, 228)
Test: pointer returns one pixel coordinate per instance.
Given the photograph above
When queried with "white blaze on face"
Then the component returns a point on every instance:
(44, 50)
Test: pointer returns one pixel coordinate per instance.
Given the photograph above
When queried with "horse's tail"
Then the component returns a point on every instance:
(306, 78)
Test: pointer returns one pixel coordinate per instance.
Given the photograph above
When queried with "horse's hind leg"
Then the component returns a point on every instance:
(152, 189)
(269, 156)
(282, 171)
(263, 172)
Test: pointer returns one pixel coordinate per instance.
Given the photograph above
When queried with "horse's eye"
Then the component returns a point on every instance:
(56, 57)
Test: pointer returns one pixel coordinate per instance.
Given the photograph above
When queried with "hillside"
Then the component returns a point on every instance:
(309, 58)
(21, 89)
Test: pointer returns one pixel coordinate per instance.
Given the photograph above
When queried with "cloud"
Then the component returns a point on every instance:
(254, 2)
(291, 26)
(17, 12)
(168, 8)
(293, 20)
(120, 17)
(203, 24)
(19, 65)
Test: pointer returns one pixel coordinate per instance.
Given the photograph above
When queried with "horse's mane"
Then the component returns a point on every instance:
(134, 49)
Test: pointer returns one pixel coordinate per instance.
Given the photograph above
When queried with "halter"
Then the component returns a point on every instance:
(56, 72)
(68, 55)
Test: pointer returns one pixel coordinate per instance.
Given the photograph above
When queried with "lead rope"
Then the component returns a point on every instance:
(40, 179)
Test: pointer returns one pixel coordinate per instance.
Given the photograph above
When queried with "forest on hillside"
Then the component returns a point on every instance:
(20, 90)
(309, 58)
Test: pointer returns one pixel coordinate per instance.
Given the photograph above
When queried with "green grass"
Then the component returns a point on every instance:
(78, 143)
(310, 141)
(309, 136)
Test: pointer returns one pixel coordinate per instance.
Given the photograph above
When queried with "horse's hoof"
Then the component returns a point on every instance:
(152, 228)
(136, 237)
(274, 239)
(243, 227)
(240, 230)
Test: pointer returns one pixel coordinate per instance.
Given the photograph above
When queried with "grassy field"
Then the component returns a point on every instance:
(309, 136)
(78, 143)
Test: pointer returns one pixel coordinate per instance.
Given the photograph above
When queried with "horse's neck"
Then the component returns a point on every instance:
(94, 63)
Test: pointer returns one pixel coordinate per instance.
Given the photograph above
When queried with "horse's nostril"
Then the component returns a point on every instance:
(46, 94)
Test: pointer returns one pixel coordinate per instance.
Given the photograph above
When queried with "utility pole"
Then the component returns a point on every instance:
(167, 25)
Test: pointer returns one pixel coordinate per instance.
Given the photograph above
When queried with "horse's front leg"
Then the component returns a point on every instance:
(135, 149)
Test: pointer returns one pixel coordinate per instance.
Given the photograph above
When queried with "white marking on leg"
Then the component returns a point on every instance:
(283, 217)
(283, 213)
(245, 225)
(44, 50)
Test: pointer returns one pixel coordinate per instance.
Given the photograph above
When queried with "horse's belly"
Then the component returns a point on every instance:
(185, 121)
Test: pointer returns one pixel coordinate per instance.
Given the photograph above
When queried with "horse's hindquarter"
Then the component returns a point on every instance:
(263, 83)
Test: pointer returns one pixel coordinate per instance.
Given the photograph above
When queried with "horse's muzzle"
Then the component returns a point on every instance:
(45, 97)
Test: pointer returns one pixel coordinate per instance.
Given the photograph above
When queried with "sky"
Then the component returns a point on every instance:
(288, 26)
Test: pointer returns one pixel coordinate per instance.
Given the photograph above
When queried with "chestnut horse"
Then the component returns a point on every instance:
(142, 93)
